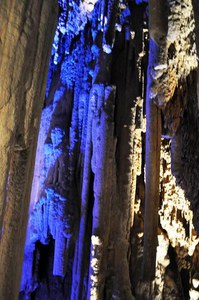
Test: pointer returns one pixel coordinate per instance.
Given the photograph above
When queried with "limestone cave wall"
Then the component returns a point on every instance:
(99, 157)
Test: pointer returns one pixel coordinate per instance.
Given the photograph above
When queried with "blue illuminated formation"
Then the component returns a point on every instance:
(98, 156)
(63, 126)
(140, 1)
(77, 128)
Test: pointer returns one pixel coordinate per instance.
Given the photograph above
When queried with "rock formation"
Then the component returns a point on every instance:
(113, 202)
(26, 37)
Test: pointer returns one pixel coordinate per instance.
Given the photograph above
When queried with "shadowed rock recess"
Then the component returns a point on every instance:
(99, 150)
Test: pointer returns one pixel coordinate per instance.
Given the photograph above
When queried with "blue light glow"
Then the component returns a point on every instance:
(63, 138)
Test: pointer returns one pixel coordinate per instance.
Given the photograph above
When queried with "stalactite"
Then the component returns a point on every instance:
(153, 137)
(109, 32)
(78, 271)
(153, 134)
(102, 138)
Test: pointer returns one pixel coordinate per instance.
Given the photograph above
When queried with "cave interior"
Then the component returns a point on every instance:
(99, 149)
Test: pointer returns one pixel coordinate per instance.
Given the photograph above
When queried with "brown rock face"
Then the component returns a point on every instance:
(26, 32)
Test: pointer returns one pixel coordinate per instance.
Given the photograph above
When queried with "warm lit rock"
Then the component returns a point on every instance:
(27, 29)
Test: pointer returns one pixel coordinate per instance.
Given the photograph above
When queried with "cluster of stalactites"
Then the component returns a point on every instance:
(109, 16)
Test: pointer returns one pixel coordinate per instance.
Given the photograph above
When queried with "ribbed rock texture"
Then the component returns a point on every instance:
(26, 34)
(114, 200)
